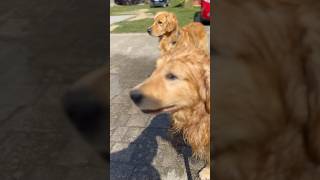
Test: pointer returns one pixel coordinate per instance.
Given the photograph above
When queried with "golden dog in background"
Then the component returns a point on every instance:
(166, 27)
(180, 85)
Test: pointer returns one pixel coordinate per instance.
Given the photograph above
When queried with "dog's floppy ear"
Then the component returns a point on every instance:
(172, 22)
(205, 87)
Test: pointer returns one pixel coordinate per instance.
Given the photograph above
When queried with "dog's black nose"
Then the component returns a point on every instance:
(136, 96)
(149, 30)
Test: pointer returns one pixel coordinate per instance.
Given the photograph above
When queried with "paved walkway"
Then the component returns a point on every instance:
(115, 19)
(112, 3)
(141, 146)
(37, 64)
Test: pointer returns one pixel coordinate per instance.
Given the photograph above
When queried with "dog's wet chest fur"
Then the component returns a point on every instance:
(194, 124)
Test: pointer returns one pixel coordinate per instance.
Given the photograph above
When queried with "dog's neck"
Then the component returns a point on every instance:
(173, 36)
(194, 124)
(190, 116)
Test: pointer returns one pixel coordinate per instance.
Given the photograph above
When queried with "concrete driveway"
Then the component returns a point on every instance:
(141, 147)
(38, 64)
(115, 19)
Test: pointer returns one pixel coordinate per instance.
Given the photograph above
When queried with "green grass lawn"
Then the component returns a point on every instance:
(124, 10)
(184, 15)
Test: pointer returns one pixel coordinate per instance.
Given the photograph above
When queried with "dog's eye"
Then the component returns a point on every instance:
(159, 22)
(171, 76)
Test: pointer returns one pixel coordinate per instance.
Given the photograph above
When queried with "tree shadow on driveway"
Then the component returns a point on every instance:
(136, 161)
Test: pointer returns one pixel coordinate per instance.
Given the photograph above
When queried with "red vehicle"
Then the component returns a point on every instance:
(204, 15)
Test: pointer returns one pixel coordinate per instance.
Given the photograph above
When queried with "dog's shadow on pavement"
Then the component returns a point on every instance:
(138, 157)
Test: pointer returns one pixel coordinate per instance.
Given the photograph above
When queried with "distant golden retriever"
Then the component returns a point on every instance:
(180, 85)
(166, 27)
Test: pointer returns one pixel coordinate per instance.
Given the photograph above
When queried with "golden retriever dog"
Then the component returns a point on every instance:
(267, 90)
(180, 85)
(166, 27)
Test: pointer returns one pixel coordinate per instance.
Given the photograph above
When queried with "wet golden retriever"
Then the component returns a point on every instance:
(180, 85)
(267, 100)
(166, 27)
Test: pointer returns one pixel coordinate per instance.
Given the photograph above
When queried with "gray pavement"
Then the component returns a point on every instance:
(115, 19)
(37, 64)
(112, 3)
(141, 146)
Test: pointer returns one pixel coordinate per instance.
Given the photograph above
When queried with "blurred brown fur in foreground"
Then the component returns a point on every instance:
(267, 89)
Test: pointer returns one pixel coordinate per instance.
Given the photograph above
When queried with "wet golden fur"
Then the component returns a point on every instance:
(187, 97)
(267, 123)
(166, 27)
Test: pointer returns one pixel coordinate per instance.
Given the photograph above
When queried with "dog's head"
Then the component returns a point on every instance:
(179, 81)
(164, 22)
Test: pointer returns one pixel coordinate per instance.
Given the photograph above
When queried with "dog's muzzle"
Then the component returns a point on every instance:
(136, 96)
(149, 30)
